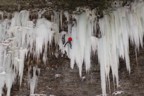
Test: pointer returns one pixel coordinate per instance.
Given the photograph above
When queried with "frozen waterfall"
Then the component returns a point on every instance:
(20, 36)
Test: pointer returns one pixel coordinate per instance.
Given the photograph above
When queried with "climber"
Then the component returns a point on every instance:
(69, 40)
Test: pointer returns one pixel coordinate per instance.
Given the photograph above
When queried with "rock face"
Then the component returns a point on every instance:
(58, 79)
(12, 5)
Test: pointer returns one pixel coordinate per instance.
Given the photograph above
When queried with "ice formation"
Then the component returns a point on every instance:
(20, 36)
(33, 78)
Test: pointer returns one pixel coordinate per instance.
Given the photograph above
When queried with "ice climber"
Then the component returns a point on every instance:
(69, 40)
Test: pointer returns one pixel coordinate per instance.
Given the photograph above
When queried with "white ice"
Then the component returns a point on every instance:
(20, 35)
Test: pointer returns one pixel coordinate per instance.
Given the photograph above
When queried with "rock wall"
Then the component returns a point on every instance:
(12, 5)
(58, 79)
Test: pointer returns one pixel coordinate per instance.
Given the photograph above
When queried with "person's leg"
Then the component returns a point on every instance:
(70, 45)
(66, 43)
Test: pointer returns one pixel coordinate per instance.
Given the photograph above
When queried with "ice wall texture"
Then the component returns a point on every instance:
(107, 37)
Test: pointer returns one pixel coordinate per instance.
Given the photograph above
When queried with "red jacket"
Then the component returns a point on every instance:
(70, 39)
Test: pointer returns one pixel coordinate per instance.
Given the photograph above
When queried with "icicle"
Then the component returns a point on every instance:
(2, 82)
(2, 69)
(44, 34)
(33, 78)
(56, 20)
(21, 63)
(61, 18)
(10, 77)
(66, 15)
(81, 45)
(20, 35)
(117, 28)
(40, 13)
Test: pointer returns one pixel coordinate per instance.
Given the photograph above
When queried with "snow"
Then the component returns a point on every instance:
(57, 75)
(39, 95)
(118, 93)
(19, 36)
